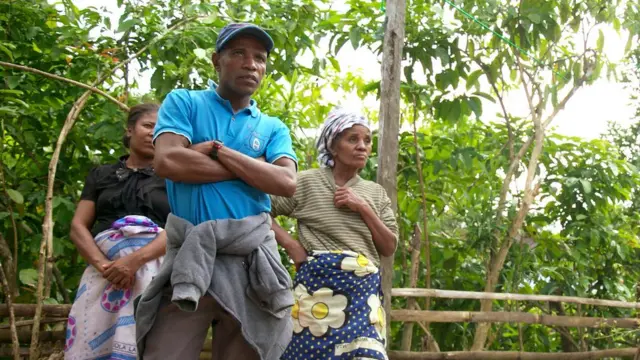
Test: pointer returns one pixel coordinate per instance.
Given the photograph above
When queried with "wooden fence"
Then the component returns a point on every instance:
(429, 316)
(54, 317)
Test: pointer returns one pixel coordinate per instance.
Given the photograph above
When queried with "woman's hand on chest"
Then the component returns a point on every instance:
(345, 197)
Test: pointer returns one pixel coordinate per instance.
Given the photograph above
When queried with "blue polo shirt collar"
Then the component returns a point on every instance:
(252, 108)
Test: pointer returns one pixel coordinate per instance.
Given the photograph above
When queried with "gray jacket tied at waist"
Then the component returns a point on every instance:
(235, 261)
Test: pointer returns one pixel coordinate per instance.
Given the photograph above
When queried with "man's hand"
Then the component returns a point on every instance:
(207, 146)
(297, 253)
(345, 197)
(203, 147)
(122, 272)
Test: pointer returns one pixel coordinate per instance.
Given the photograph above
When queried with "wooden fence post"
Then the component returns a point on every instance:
(390, 124)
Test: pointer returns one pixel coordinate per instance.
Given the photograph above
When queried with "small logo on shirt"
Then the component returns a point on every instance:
(255, 144)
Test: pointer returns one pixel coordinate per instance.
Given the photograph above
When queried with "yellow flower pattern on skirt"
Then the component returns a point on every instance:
(317, 311)
(338, 311)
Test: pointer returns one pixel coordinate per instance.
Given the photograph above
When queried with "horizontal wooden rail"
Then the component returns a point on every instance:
(513, 355)
(24, 335)
(515, 317)
(28, 310)
(453, 294)
(24, 352)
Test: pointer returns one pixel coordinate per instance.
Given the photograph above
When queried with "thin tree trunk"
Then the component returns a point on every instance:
(10, 262)
(496, 261)
(407, 332)
(423, 198)
(7, 264)
(12, 317)
(46, 246)
(568, 344)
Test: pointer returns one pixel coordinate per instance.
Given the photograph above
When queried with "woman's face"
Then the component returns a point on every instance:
(141, 135)
(352, 147)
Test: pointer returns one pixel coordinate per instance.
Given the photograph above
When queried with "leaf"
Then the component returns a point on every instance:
(472, 79)
(36, 48)
(627, 47)
(586, 185)
(200, 53)
(535, 18)
(600, 42)
(486, 96)
(339, 44)
(616, 24)
(28, 277)
(5, 50)
(13, 81)
(476, 105)
(354, 36)
(210, 19)
(15, 196)
(126, 25)
(443, 55)
(334, 63)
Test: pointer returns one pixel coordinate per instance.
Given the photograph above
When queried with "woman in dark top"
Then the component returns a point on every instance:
(117, 228)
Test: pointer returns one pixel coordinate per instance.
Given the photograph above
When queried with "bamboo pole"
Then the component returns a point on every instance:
(512, 355)
(515, 317)
(46, 246)
(453, 294)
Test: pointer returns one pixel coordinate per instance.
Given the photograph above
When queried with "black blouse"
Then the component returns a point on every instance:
(119, 191)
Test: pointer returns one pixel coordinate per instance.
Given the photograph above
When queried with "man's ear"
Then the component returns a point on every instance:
(215, 59)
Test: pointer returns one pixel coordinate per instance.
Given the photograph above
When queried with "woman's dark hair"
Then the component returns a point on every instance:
(135, 113)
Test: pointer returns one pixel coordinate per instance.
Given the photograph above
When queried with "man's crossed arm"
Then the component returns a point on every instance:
(174, 159)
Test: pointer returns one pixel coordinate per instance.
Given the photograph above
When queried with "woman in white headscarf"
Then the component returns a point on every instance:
(344, 224)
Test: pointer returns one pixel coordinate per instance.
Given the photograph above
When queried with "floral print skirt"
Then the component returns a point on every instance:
(338, 312)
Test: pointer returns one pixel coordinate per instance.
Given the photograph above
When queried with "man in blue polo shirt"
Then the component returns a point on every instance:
(221, 157)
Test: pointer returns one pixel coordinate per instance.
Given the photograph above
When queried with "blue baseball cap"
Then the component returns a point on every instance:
(233, 30)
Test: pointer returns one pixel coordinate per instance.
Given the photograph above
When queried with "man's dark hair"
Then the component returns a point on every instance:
(135, 113)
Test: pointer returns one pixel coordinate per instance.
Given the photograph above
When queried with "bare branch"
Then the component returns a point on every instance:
(122, 106)
(60, 281)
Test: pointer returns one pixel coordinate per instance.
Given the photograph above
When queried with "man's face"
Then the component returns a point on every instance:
(241, 65)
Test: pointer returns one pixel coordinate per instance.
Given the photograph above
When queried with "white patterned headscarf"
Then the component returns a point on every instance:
(338, 120)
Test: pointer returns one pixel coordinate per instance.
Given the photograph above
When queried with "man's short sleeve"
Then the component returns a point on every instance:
(174, 115)
(280, 145)
(90, 190)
